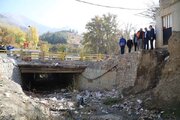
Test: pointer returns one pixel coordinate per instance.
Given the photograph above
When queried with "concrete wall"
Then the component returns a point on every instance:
(159, 35)
(118, 73)
(167, 7)
(97, 80)
(166, 3)
(176, 16)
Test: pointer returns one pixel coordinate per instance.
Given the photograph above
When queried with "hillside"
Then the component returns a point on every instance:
(62, 37)
(23, 22)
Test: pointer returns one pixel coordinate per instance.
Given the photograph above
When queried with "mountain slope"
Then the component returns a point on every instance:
(23, 22)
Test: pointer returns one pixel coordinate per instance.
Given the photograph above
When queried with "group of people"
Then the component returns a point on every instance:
(140, 40)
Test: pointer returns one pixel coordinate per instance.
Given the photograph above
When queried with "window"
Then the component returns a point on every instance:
(167, 28)
(167, 21)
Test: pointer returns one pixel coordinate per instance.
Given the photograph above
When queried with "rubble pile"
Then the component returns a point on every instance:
(97, 105)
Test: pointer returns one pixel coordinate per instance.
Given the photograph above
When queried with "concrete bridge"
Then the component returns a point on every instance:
(49, 75)
(80, 74)
(51, 68)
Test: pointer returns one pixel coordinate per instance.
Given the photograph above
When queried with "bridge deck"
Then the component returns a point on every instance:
(49, 68)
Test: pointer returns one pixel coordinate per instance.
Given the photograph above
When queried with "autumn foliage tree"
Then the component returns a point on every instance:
(101, 35)
(33, 36)
(44, 47)
(11, 35)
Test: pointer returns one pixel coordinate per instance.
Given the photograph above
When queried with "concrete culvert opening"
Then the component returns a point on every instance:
(47, 82)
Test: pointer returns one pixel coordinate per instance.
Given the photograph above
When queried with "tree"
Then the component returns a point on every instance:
(55, 38)
(33, 36)
(128, 31)
(101, 35)
(57, 48)
(20, 37)
(44, 47)
(11, 35)
(151, 11)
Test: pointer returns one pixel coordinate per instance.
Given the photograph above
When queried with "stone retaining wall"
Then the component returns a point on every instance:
(119, 72)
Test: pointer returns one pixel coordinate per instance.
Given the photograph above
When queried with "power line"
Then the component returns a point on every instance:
(106, 6)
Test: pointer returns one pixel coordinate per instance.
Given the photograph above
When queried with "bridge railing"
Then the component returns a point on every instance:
(28, 55)
(2, 51)
(93, 57)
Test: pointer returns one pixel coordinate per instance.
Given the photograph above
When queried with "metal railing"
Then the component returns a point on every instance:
(3, 51)
(28, 55)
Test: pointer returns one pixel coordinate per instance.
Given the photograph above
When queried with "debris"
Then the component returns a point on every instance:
(56, 64)
(80, 100)
(139, 101)
(54, 99)
(166, 58)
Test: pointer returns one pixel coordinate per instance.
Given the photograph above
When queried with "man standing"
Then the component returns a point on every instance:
(146, 38)
(122, 43)
(135, 41)
(152, 36)
(129, 44)
(140, 36)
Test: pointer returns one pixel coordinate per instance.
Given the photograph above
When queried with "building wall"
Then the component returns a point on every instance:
(167, 7)
(176, 18)
(159, 37)
(166, 3)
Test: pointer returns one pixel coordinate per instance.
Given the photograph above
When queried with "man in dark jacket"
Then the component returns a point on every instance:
(122, 43)
(135, 41)
(146, 38)
(129, 44)
(151, 36)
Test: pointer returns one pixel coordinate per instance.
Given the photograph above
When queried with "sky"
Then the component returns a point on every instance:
(75, 15)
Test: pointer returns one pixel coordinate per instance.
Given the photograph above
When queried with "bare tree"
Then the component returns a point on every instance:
(128, 30)
(151, 11)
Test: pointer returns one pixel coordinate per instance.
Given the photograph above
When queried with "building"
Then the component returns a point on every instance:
(167, 21)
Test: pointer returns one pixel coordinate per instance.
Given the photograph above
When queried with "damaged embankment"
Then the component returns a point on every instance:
(167, 88)
(159, 72)
(140, 72)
